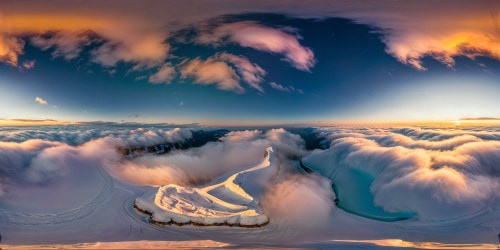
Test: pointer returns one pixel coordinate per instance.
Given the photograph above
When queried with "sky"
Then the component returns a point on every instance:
(223, 62)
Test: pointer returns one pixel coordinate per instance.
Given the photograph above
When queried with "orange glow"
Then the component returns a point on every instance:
(43, 23)
(27, 122)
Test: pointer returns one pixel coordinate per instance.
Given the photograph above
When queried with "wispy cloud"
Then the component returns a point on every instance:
(67, 44)
(289, 89)
(164, 75)
(224, 70)
(41, 101)
(29, 64)
(259, 37)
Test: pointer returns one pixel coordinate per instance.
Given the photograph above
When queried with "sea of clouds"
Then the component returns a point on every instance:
(438, 173)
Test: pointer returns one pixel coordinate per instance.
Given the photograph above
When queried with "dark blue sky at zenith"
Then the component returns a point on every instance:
(354, 79)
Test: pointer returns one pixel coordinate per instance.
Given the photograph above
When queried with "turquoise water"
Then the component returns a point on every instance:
(352, 188)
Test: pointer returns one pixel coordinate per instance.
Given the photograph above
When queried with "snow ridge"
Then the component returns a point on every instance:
(230, 202)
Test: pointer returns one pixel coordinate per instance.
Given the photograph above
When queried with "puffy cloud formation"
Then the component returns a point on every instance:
(236, 150)
(254, 35)
(36, 161)
(218, 70)
(77, 135)
(437, 173)
(136, 32)
(291, 201)
(20, 162)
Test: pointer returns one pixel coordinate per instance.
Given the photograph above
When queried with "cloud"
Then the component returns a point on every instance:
(164, 75)
(67, 44)
(29, 64)
(282, 88)
(18, 162)
(251, 73)
(212, 71)
(438, 178)
(480, 119)
(291, 201)
(41, 101)
(259, 37)
(196, 166)
(136, 34)
(143, 51)
(224, 70)
(137, 40)
(10, 49)
(39, 161)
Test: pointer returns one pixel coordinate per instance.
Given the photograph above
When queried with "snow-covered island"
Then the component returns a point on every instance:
(231, 200)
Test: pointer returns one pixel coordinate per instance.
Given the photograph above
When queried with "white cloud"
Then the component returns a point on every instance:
(41, 101)
(436, 177)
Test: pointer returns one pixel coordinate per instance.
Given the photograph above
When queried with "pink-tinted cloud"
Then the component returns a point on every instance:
(66, 44)
(224, 70)
(10, 49)
(259, 37)
(29, 64)
(212, 71)
(164, 75)
(250, 73)
(135, 32)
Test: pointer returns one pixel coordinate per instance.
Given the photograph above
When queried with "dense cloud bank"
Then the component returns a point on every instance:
(36, 156)
(437, 173)
(236, 150)
(77, 135)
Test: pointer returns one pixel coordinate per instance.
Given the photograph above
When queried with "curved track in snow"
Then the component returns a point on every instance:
(74, 214)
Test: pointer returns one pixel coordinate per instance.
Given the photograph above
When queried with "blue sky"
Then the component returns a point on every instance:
(351, 75)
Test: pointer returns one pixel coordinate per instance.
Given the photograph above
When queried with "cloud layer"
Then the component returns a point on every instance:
(259, 37)
(437, 173)
(136, 34)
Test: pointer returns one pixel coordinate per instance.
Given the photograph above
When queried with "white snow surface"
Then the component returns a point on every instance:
(232, 200)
